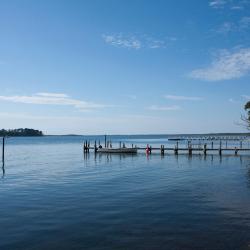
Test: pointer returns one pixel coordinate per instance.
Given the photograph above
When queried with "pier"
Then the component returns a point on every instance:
(176, 149)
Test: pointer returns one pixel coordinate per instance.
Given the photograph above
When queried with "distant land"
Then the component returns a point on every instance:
(153, 136)
(21, 132)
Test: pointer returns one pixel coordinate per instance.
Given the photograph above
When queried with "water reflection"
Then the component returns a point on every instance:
(3, 169)
(190, 159)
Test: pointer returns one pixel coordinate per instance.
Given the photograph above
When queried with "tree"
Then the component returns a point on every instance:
(247, 118)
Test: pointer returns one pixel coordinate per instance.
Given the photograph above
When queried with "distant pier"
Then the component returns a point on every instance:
(190, 147)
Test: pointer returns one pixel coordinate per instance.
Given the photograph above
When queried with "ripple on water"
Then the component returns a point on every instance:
(54, 198)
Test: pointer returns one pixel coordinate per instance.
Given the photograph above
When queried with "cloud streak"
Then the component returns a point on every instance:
(242, 25)
(231, 4)
(183, 98)
(136, 41)
(52, 99)
(227, 65)
(130, 42)
(217, 3)
(164, 108)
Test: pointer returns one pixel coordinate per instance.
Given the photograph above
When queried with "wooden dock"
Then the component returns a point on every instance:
(176, 149)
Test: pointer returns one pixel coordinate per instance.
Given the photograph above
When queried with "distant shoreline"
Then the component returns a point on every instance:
(136, 135)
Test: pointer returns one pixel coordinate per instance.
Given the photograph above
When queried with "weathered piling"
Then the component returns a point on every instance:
(190, 150)
(176, 148)
(162, 149)
(205, 149)
(220, 148)
(236, 151)
(3, 149)
(95, 147)
(84, 147)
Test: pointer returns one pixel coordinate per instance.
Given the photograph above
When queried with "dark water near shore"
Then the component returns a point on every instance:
(52, 197)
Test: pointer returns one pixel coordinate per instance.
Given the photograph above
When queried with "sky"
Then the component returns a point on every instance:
(124, 67)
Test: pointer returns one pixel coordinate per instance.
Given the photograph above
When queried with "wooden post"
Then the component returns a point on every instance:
(105, 141)
(190, 149)
(84, 148)
(176, 150)
(236, 151)
(220, 150)
(205, 149)
(162, 149)
(95, 147)
(240, 144)
(3, 149)
(212, 145)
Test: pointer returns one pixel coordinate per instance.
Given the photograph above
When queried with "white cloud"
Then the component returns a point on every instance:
(137, 41)
(152, 43)
(130, 42)
(229, 4)
(236, 7)
(217, 3)
(226, 27)
(56, 95)
(244, 22)
(227, 65)
(52, 99)
(164, 108)
(183, 98)
(242, 25)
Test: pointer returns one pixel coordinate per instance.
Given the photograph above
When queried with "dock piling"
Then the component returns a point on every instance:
(3, 149)
(95, 147)
(190, 150)
(236, 151)
(162, 150)
(205, 149)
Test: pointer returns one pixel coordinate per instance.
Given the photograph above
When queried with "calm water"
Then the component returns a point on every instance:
(52, 197)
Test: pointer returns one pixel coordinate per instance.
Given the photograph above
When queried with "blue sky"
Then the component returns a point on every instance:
(124, 67)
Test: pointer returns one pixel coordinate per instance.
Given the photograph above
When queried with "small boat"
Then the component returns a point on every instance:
(117, 150)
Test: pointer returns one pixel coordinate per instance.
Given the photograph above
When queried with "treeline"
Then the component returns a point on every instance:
(21, 132)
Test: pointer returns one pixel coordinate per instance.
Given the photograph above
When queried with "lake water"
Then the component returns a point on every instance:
(54, 197)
